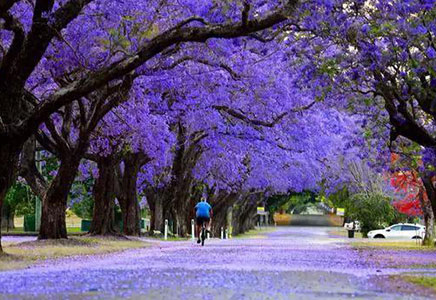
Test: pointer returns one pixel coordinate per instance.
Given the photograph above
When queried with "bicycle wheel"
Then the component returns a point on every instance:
(203, 235)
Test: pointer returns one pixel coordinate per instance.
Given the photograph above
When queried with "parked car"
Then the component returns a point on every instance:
(355, 225)
(399, 231)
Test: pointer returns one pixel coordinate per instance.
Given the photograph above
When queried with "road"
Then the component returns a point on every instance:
(289, 263)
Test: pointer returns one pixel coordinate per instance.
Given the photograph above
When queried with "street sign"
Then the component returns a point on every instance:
(340, 211)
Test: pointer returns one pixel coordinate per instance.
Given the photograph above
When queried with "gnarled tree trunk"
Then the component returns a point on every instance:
(183, 207)
(158, 214)
(156, 202)
(244, 213)
(54, 204)
(131, 215)
(7, 220)
(221, 205)
(429, 225)
(104, 199)
(127, 197)
(429, 210)
(29, 171)
(9, 154)
(178, 192)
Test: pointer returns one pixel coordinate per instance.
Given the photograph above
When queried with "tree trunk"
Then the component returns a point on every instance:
(29, 171)
(431, 192)
(155, 201)
(104, 199)
(7, 220)
(429, 226)
(429, 211)
(182, 220)
(183, 212)
(219, 221)
(248, 219)
(221, 205)
(54, 204)
(179, 198)
(128, 195)
(177, 195)
(158, 215)
(9, 154)
(131, 217)
(244, 213)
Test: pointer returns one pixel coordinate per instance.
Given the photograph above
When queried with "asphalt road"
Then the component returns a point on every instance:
(289, 263)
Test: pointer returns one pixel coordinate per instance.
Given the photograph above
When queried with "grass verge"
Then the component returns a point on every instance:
(391, 245)
(255, 233)
(425, 281)
(344, 233)
(20, 231)
(174, 239)
(417, 266)
(25, 254)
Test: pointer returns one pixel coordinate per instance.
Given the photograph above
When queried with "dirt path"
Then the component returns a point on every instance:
(290, 263)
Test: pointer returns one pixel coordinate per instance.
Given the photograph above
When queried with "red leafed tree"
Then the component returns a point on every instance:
(410, 188)
(413, 198)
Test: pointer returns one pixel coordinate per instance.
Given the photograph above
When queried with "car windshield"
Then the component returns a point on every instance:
(395, 228)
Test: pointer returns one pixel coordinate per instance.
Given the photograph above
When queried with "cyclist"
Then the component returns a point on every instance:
(203, 214)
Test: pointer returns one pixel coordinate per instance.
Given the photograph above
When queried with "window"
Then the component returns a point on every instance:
(409, 228)
(396, 228)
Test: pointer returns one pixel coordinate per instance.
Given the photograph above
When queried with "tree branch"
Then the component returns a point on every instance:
(116, 95)
(189, 20)
(29, 171)
(66, 122)
(61, 144)
(245, 13)
(82, 113)
(5, 5)
(38, 39)
(155, 46)
(256, 122)
(224, 66)
(15, 26)
(41, 7)
(47, 143)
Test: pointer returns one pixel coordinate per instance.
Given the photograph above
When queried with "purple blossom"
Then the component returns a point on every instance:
(366, 28)
(431, 53)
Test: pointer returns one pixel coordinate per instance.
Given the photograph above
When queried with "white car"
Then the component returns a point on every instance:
(399, 231)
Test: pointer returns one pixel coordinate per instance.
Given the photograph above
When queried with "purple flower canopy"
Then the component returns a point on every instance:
(272, 116)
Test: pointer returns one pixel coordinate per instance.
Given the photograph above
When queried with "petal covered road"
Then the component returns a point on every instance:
(288, 263)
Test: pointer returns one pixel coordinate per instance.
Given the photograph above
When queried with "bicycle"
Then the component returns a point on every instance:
(203, 234)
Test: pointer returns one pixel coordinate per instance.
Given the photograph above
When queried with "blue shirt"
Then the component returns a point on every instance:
(203, 209)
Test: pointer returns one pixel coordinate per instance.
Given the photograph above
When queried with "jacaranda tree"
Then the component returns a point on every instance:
(31, 29)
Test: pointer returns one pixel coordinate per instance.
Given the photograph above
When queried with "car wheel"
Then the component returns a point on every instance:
(417, 238)
(379, 236)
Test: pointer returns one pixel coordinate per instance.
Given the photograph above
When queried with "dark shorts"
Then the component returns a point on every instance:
(201, 220)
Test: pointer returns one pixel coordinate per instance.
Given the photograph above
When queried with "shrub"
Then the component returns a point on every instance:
(373, 210)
